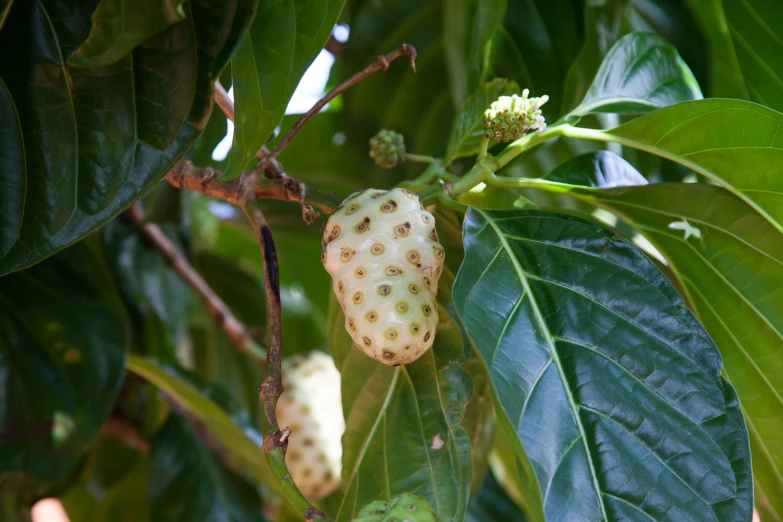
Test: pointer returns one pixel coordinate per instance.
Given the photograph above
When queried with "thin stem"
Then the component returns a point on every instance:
(381, 63)
(420, 158)
(220, 313)
(274, 169)
(275, 440)
(535, 183)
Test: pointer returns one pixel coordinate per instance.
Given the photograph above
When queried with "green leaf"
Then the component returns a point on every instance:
(734, 143)
(396, 415)
(601, 169)
(241, 443)
(95, 139)
(467, 27)
(155, 294)
(603, 371)
(118, 26)
(746, 48)
(112, 485)
(63, 336)
(284, 38)
(536, 46)
(725, 75)
(467, 130)
(492, 504)
(188, 483)
(727, 258)
(640, 73)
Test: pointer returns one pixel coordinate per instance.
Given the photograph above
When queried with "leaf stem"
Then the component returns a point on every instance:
(420, 158)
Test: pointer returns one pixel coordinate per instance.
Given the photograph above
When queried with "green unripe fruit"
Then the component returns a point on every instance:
(511, 117)
(387, 149)
(406, 507)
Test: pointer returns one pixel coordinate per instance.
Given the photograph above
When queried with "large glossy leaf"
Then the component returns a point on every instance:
(467, 27)
(241, 443)
(731, 142)
(397, 417)
(746, 48)
(467, 130)
(118, 26)
(63, 335)
(613, 386)
(640, 73)
(94, 139)
(282, 41)
(730, 262)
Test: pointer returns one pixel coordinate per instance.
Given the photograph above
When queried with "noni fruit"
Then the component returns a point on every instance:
(387, 149)
(511, 117)
(382, 251)
(311, 407)
(406, 507)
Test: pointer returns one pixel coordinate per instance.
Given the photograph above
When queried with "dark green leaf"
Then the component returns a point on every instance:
(394, 415)
(467, 27)
(63, 336)
(467, 130)
(732, 142)
(536, 46)
(118, 26)
(603, 371)
(94, 139)
(282, 41)
(746, 48)
(601, 169)
(242, 444)
(718, 247)
(492, 504)
(112, 486)
(640, 73)
(12, 158)
(156, 295)
(188, 483)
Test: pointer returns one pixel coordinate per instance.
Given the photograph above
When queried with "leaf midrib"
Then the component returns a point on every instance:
(553, 354)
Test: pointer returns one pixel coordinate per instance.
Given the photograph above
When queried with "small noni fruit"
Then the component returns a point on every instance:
(382, 251)
(406, 507)
(511, 117)
(387, 149)
(311, 407)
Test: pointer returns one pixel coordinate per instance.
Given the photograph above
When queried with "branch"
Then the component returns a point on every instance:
(127, 432)
(204, 180)
(217, 309)
(275, 440)
(381, 63)
(275, 169)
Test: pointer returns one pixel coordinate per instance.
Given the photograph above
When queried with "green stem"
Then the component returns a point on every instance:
(535, 183)
(420, 158)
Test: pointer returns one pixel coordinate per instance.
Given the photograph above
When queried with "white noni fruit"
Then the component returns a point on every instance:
(382, 251)
(311, 407)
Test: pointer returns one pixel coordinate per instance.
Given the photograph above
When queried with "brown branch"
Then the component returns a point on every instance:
(275, 440)
(127, 432)
(381, 63)
(186, 175)
(274, 169)
(217, 309)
